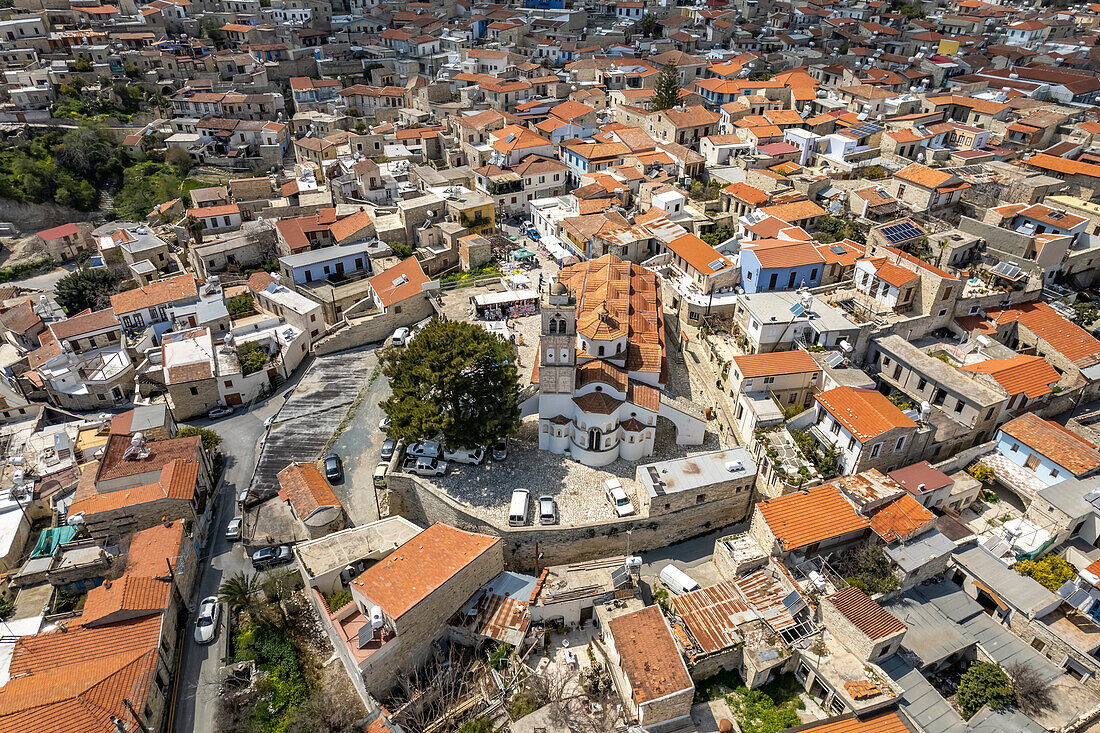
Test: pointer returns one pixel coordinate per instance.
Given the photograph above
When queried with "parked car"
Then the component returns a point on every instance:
(461, 455)
(618, 498)
(267, 557)
(334, 468)
(206, 620)
(426, 466)
(517, 508)
(220, 412)
(233, 529)
(380, 472)
(401, 337)
(500, 450)
(384, 424)
(548, 510)
(677, 581)
(389, 445)
(242, 497)
(425, 449)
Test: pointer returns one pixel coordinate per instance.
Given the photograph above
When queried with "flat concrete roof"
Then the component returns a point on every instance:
(695, 472)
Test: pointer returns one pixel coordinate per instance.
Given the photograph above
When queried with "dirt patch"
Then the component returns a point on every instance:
(20, 250)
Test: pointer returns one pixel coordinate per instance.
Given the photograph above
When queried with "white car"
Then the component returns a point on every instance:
(220, 412)
(401, 336)
(618, 498)
(384, 424)
(206, 621)
(233, 529)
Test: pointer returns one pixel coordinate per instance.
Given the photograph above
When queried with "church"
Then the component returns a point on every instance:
(602, 365)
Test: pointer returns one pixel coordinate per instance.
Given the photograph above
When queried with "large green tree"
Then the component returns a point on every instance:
(984, 684)
(85, 289)
(454, 379)
(668, 89)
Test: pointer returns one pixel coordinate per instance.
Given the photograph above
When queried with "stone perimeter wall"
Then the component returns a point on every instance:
(559, 544)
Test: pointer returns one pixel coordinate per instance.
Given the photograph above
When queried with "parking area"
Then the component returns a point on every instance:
(577, 489)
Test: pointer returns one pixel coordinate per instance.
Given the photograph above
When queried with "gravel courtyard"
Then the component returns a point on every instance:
(578, 489)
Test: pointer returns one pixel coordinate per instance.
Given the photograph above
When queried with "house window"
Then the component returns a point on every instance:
(194, 391)
(836, 428)
(922, 384)
(900, 445)
(1054, 473)
(700, 499)
(1015, 447)
(851, 443)
(769, 380)
(876, 449)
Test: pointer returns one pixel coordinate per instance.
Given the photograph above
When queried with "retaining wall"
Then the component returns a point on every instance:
(559, 544)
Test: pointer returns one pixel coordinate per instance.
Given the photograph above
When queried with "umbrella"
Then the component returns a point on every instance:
(522, 254)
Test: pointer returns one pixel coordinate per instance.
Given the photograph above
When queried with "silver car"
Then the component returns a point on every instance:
(548, 510)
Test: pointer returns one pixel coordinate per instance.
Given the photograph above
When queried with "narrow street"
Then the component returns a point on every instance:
(198, 676)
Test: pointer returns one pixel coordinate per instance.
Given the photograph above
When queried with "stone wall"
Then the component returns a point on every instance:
(561, 544)
(857, 642)
(30, 218)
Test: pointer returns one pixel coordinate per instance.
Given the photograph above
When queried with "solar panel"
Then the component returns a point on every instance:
(901, 232)
(1057, 214)
(838, 250)
(834, 359)
(798, 309)
(1007, 270)
(619, 577)
(718, 264)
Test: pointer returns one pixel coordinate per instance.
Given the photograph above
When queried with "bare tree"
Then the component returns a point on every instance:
(586, 703)
(425, 695)
(1033, 693)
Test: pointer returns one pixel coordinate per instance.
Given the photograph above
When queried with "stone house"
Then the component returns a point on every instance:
(66, 241)
(926, 189)
(402, 603)
(647, 665)
(815, 521)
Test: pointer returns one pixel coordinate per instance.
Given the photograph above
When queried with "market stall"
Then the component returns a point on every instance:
(507, 304)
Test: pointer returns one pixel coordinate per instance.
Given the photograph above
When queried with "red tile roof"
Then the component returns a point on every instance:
(1030, 375)
(421, 566)
(811, 515)
(1069, 339)
(160, 292)
(65, 230)
(1068, 450)
(160, 454)
(648, 655)
(866, 413)
(866, 615)
(177, 482)
(775, 363)
(306, 489)
(901, 519)
(401, 282)
(921, 474)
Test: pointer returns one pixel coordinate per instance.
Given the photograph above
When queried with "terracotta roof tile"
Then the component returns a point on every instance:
(811, 515)
(1069, 339)
(306, 489)
(775, 363)
(648, 655)
(1030, 375)
(901, 519)
(421, 566)
(866, 615)
(1057, 443)
(866, 413)
(160, 292)
(160, 454)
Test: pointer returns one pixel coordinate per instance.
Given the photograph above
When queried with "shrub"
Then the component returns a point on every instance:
(477, 725)
(498, 660)
(252, 356)
(210, 439)
(1051, 571)
(984, 684)
(337, 599)
(241, 304)
(981, 472)
(401, 249)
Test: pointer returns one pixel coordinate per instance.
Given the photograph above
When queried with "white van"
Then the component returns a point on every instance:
(461, 455)
(517, 510)
(676, 580)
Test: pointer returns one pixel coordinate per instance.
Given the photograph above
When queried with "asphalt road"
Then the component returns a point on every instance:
(360, 448)
(201, 665)
(46, 281)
